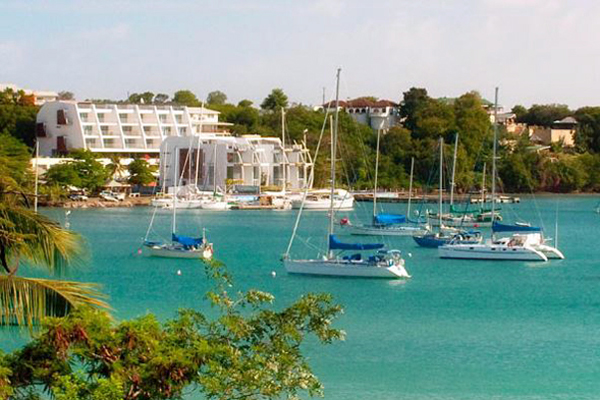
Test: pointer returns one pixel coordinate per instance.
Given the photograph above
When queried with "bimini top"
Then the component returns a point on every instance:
(186, 240)
(335, 244)
(388, 219)
(498, 227)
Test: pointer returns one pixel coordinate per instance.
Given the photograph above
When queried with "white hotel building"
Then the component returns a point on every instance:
(119, 128)
(170, 132)
(248, 160)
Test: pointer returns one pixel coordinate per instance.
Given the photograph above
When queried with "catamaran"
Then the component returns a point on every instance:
(180, 246)
(526, 245)
(383, 264)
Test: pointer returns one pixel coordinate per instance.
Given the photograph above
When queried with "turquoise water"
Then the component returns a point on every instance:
(457, 330)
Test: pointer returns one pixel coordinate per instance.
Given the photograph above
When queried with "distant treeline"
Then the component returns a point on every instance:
(522, 168)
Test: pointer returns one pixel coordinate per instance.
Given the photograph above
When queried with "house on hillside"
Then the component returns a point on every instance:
(378, 114)
(561, 131)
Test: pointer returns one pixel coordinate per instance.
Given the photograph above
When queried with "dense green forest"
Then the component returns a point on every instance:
(522, 168)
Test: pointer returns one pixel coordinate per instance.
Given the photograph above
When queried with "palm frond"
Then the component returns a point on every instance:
(43, 241)
(26, 301)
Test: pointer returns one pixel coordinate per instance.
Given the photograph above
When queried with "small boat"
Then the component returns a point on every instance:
(388, 224)
(321, 199)
(440, 238)
(180, 246)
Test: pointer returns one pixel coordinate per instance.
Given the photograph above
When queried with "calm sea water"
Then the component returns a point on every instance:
(457, 330)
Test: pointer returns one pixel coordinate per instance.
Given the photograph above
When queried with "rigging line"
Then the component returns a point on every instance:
(308, 183)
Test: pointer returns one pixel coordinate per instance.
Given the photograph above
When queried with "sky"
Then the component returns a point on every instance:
(535, 51)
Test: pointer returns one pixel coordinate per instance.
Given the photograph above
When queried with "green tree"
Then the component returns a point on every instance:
(186, 98)
(275, 100)
(140, 172)
(84, 171)
(161, 98)
(413, 100)
(245, 103)
(141, 98)
(66, 95)
(587, 137)
(115, 167)
(247, 350)
(519, 111)
(216, 97)
(32, 238)
(545, 115)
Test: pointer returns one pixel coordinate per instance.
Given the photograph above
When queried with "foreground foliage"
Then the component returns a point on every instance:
(27, 237)
(247, 350)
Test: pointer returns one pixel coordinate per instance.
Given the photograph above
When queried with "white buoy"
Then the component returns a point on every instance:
(273, 274)
(178, 272)
(410, 255)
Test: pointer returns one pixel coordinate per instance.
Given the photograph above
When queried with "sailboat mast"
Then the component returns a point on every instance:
(198, 149)
(215, 168)
(483, 187)
(334, 132)
(494, 158)
(453, 171)
(283, 163)
(376, 172)
(441, 190)
(174, 223)
(37, 155)
(410, 185)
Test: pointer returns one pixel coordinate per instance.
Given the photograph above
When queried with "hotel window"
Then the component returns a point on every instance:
(104, 130)
(163, 118)
(87, 130)
(167, 131)
(101, 117)
(182, 131)
(178, 119)
(123, 117)
(230, 157)
(127, 130)
(83, 116)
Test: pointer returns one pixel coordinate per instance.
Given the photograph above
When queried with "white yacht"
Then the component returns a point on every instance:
(321, 200)
(387, 264)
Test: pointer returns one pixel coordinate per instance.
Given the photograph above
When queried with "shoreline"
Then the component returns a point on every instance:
(96, 202)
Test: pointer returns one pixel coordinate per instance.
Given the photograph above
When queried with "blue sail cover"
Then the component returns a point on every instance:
(186, 240)
(389, 219)
(335, 244)
(498, 227)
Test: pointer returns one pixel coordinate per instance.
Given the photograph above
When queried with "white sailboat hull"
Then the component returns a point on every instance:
(365, 230)
(167, 251)
(324, 204)
(345, 268)
(491, 252)
(179, 204)
(459, 222)
(216, 206)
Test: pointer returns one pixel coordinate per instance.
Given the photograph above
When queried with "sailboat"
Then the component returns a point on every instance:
(525, 245)
(383, 264)
(180, 246)
(387, 224)
(457, 217)
(444, 234)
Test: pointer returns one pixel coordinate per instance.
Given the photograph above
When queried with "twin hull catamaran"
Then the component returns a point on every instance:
(526, 244)
(383, 264)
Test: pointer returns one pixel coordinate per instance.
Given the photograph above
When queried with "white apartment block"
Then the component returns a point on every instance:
(247, 160)
(119, 128)
(40, 97)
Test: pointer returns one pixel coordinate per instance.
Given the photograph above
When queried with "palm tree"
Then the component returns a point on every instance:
(32, 238)
(116, 169)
